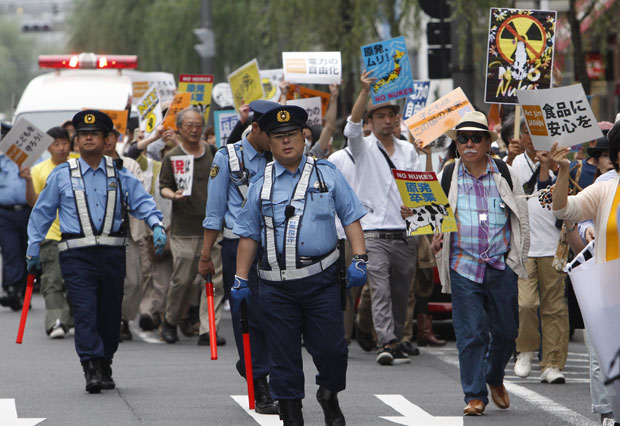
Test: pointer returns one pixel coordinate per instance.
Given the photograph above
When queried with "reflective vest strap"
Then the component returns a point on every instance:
(80, 199)
(267, 182)
(110, 198)
(302, 185)
(294, 223)
(233, 160)
(270, 242)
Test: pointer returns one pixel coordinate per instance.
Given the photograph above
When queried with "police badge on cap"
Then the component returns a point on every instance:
(92, 119)
(283, 118)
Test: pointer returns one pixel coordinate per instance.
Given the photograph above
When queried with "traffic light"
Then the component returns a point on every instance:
(439, 62)
(206, 47)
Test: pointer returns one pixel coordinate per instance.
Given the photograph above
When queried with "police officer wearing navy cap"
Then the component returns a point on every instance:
(290, 211)
(93, 195)
(234, 166)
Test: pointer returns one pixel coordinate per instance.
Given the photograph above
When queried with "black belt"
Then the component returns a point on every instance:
(386, 235)
(15, 207)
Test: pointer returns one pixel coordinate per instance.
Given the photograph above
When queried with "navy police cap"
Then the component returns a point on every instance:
(283, 118)
(260, 107)
(91, 119)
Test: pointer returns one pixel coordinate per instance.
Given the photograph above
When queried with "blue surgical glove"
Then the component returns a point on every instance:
(159, 239)
(240, 292)
(356, 274)
(33, 264)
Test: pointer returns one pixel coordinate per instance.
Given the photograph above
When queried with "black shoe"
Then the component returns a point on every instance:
(186, 328)
(400, 357)
(146, 322)
(264, 402)
(329, 403)
(92, 376)
(205, 340)
(290, 412)
(385, 356)
(409, 348)
(12, 299)
(125, 332)
(106, 374)
(169, 332)
(364, 339)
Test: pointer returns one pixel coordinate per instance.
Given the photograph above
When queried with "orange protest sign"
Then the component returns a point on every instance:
(301, 92)
(439, 117)
(535, 121)
(181, 101)
(119, 118)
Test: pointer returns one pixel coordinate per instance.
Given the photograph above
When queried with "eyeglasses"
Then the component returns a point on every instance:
(475, 138)
(281, 136)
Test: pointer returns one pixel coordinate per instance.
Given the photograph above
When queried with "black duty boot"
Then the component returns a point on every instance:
(169, 332)
(107, 382)
(264, 402)
(329, 403)
(290, 412)
(12, 298)
(92, 375)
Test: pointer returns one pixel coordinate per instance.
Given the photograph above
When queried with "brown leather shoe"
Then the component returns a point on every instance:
(475, 407)
(500, 396)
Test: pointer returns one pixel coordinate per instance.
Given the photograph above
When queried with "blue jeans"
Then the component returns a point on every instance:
(486, 323)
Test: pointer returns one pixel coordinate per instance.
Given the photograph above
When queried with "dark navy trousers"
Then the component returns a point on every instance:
(258, 339)
(94, 277)
(310, 307)
(14, 242)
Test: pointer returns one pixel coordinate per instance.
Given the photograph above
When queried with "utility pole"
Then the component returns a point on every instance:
(206, 47)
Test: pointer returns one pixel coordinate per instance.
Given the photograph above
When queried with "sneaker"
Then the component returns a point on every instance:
(71, 331)
(385, 356)
(409, 348)
(400, 357)
(57, 332)
(552, 375)
(523, 366)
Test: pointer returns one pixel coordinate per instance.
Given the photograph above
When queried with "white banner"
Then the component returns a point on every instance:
(312, 67)
(149, 112)
(143, 81)
(25, 143)
(183, 169)
(312, 107)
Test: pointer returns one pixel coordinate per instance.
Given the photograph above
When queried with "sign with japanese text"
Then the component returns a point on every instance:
(389, 62)
(224, 121)
(416, 101)
(520, 53)
(143, 81)
(119, 118)
(200, 87)
(562, 114)
(246, 84)
(25, 143)
(440, 116)
(422, 193)
(271, 83)
(183, 169)
(312, 67)
(312, 107)
(149, 112)
(301, 92)
(181, 101)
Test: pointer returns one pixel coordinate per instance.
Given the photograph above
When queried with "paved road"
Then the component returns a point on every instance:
(178, 384)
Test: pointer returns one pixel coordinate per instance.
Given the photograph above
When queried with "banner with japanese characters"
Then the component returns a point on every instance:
(520, 53)
(422, 193)
(200, 87)
(25, 143)
(143, 81)
(225, 121)
(271, 83)
(300, 92)
(181, 101)
(149, 112)
(416, 101)
(440, 116)
(389, 62)
(312, 67)
(246, 84)
(183, 169)
(312, 107)
(562, 114)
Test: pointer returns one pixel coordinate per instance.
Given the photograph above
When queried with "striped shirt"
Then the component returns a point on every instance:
(483, 235)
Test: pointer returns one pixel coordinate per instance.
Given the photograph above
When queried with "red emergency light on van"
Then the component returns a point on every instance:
(88, 61)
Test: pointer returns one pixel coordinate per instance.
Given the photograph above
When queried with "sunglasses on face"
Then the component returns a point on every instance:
(475, 138)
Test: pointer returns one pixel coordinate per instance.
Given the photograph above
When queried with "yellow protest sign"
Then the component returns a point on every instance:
(246, 84)
(421, 192)
(181, 101)
(438, 117)
(200, 87)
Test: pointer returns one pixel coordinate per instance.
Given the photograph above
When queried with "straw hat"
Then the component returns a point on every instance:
(473, 121)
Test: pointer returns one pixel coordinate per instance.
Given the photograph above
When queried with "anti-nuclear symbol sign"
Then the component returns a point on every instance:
(151, 120)
(524, 29)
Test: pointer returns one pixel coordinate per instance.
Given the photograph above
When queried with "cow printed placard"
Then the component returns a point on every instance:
(422, 193)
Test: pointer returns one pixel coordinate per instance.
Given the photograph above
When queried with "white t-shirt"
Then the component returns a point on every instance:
(345, 164)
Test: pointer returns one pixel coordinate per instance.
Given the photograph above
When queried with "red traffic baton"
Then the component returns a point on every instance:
(25, 308)
(247, 353)
(211, 309)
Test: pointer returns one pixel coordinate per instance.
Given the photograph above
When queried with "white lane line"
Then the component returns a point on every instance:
(412, 415)
(261, 419)
(8, 415)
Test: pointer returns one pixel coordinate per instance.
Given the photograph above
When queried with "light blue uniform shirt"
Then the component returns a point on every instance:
(12, 186)
(58, 195)
(317, 234)
(225, 201)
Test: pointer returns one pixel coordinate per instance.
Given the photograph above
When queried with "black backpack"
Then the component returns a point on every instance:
(446, 178)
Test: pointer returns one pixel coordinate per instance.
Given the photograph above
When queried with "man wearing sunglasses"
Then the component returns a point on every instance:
(479, 264)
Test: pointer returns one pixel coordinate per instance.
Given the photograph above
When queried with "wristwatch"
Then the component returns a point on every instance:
(363, 257)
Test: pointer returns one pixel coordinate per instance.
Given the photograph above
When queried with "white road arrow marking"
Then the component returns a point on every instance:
(8, 415)
(413, 415)
(261, 419)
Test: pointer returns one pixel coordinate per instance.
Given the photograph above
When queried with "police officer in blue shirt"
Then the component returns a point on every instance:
(234, 166)
(290, 211)
(93, 195)
(14, 213)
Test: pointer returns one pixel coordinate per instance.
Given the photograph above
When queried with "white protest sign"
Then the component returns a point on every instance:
(312, 107)
(312, 67)
(562, 114)
(149, 112)
(183, 169)
(141, 82)
(25, 143)
(271, 83)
